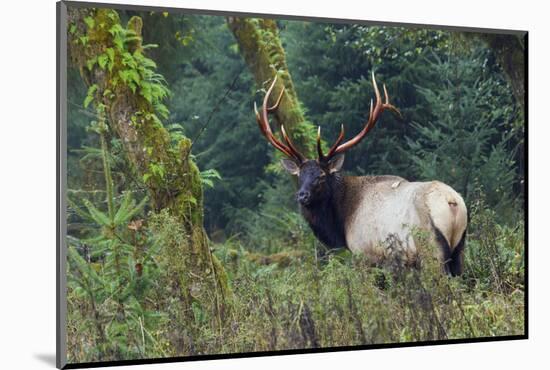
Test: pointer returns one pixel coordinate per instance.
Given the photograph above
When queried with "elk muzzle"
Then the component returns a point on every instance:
(303, 197)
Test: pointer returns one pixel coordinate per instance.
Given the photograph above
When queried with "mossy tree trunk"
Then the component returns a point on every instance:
(261, 48)
(510, 54)
(105, 60)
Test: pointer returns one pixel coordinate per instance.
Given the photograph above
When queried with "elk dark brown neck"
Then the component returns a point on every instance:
(326, 217)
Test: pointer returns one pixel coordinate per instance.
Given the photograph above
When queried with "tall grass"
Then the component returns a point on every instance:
(292, 299)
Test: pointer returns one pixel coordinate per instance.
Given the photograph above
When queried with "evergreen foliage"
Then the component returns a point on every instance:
(111, 272)
(467, 145)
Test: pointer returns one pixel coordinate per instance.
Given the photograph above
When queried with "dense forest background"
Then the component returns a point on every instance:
(184, 236)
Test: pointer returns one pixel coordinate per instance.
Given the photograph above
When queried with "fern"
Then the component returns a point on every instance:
(209, 176)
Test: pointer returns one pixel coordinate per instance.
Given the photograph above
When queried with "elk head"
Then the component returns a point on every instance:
(315, 175)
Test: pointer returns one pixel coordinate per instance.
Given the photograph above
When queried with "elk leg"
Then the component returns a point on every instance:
(446, 254)
(457, 257)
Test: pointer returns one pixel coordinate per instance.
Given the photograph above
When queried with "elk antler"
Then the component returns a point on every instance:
(373, 117)
(263, 122)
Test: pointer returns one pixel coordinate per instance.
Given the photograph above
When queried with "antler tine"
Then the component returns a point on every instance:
(265, 109)
(374, 113)
(276, 105)
(337, 142)
(370, 109)
(297, 154)
(390, 106)
(266, 131)
(376, 91)
(263, 122)
(258, 119)
(269, 136)
(319, 147)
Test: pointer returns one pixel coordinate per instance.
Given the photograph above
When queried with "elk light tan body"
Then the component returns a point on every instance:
(380, 216)
(382, 213)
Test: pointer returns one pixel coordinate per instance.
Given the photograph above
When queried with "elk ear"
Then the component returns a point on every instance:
(290, 166)
(336, 163)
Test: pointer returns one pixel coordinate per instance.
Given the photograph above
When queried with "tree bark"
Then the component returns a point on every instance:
(261, 48)
(510, 54)
(171, 177)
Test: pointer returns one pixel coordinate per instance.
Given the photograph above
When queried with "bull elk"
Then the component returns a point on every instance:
(363, 213)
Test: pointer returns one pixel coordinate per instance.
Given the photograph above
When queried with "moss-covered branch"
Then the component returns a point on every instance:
(510, 53)
(124, 86)
(261, 47)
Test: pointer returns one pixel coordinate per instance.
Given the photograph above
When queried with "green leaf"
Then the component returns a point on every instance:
(90, 22)
(134, 75)
(102, 60)
(149, 46)
(157, 170)
(116, 29)
(88, 100)
(208, 183)
(119, 41)
(208, 176)
(111, 54)
(108, 93)
(90, 95)
(145, 91)
(90, 63)
(83, 40)
(162, 110)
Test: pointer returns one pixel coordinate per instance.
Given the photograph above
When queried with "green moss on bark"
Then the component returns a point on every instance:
(261, 47)
(172, 178)
(510, 53)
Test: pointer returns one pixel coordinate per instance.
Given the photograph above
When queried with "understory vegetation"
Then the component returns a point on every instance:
(183, 233)
(293, 298)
